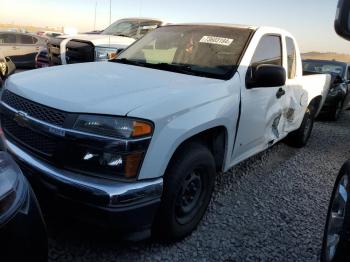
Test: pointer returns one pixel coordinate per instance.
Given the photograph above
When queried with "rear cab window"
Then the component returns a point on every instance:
(291, 58)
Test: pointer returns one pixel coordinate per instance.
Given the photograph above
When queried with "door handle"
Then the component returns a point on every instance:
(280, 93)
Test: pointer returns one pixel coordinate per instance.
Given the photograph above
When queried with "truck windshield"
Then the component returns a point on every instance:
(206, 51)
(324, 67)
(131, 28)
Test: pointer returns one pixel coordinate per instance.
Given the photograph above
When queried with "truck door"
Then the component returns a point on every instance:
(261, 108)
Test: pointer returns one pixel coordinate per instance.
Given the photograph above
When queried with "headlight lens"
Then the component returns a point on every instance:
(11, 187)
(116, 127)
(104, 54)
(108, 157)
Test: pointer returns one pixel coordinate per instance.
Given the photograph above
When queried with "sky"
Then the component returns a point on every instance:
(310, 21)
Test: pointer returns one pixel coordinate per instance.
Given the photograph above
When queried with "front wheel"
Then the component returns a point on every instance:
(300, 137)
(188, 186)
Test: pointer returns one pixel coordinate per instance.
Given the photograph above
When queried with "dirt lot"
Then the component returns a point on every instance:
(269, 208)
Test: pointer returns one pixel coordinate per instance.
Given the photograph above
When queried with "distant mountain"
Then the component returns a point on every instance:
(326, 56)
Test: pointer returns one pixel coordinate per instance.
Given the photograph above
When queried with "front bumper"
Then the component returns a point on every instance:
(127, 206)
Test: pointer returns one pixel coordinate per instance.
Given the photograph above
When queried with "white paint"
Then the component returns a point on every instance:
(179, 105)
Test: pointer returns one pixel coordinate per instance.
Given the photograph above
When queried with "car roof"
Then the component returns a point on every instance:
(217, 24)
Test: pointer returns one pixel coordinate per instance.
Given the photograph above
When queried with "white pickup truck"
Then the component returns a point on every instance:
(101, 46)
(136, 142)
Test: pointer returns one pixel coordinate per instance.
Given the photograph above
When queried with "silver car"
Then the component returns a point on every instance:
(21, 48)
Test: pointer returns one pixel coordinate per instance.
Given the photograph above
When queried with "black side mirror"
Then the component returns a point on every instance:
(11, 67)
(267, 76)
(342, 19)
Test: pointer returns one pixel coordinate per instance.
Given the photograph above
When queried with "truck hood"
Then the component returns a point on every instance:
(103, 40)
(112, 88)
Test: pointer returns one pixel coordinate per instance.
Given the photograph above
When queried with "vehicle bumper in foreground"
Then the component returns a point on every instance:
(125, 206)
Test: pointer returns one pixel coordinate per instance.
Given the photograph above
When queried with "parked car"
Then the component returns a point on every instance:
(21, 48)
(339, 94)
(101, 46)
(7, 67)
(135, 143)
(22, 229)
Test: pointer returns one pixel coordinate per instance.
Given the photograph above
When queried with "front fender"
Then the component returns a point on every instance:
(172, 131)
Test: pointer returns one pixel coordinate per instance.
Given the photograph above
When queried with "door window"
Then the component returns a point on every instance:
(269, 51)
(27, 40)
(7, 39)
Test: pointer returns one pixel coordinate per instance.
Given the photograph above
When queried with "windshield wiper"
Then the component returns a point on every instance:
(179, 68)
(121, 35)
(128, 61)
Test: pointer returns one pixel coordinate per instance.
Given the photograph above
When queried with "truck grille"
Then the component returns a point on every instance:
(40, 112)
(76, 52)
(24, 136)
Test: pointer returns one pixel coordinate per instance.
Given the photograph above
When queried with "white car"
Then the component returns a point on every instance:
(102, 46)
(136, 142)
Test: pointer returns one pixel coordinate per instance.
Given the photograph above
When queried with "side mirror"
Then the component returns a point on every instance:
(11, 67)
(342, 19)
(267, 76)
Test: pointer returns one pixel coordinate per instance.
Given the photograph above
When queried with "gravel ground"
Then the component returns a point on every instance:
(269, 208)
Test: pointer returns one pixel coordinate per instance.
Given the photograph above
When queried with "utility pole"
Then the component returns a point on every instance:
(110, 12)
(95, 16)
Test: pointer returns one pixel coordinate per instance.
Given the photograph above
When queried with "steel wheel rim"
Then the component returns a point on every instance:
(190, 197)
(336, 218)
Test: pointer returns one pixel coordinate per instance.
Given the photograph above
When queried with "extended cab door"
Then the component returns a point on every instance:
(294, 108)
(261, 107)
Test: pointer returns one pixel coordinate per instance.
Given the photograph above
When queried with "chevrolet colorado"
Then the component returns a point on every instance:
(135, 143)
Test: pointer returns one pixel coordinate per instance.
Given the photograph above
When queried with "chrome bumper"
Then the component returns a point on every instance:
(118, 193)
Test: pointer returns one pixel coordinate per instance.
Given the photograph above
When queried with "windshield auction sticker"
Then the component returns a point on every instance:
(216, 40)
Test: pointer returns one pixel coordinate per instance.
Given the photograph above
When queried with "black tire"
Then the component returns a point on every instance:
(336, 111)
(342, 249)
(192, 166)
(300, 137)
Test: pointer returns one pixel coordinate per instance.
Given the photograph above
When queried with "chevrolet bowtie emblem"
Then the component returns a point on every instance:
(21, 118)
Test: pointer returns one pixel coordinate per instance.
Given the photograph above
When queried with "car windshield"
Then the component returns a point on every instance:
(132, 28)
(206, 51)
(324, 67)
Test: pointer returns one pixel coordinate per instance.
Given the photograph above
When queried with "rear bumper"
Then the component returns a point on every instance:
(125, 206)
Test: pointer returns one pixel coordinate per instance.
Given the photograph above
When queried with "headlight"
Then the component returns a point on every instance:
(104, 54)
(117, 127)
(11, 187)
(107, 156)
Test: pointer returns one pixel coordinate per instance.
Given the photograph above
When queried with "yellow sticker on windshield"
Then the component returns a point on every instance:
(216, 40)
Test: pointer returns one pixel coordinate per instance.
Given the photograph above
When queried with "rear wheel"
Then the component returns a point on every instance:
(188, 186)
(300, 137)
